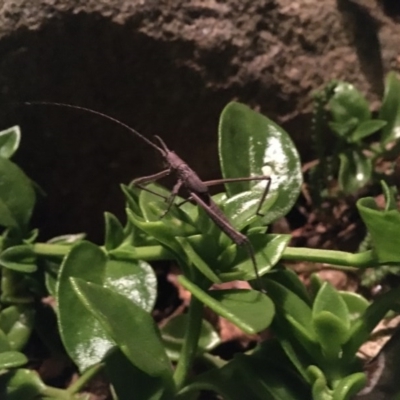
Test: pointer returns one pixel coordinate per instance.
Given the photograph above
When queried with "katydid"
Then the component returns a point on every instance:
(188, 179)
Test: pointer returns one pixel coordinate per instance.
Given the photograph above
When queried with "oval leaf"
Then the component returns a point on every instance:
(17, 196)
(137, 337)
(82, 335)
(354, 172)
(12, 359)
(251, 145)
(249, 310)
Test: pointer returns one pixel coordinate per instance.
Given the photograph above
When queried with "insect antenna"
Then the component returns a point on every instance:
(89, 110)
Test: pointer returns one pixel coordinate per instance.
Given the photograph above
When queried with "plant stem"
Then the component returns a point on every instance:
(189, 348)
(153, 253)
(361, 260)
(85, 378)
(148, 253)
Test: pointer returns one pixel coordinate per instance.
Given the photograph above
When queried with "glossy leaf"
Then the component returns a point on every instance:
(138, 337)
(12, 359)
(129, 382)
(9, 141)
(383, 226)
(17, 323)
(367, 128)
(135, 280)
(173, 333)
(355, 171)
(114, 232)
(347, 103)
(83, 336)
(17, 196)
(20, 258)
(390, 109)
(252, 145)
(249, 310)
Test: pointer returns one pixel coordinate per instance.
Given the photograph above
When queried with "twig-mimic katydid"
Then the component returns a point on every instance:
(188, 179)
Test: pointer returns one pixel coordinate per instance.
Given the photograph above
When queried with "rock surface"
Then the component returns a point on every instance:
(169, 68)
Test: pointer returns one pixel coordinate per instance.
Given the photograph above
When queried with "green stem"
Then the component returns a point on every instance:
(148, 253)
(191, 339)
(54, 393)
(361, 260)
(84, 378)
(153, 253)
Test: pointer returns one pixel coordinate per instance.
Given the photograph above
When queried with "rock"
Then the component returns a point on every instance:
(168, 68)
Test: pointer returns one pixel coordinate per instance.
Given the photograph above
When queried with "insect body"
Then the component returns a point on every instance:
(186, 178)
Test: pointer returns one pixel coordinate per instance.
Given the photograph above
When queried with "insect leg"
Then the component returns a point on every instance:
(141, 182)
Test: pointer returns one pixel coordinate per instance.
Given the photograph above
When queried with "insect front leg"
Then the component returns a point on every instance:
(141, 182)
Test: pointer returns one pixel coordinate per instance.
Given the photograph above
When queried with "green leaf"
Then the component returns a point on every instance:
(266, 374)
(9, 141)
(349, 386)
(362, 328)
(17, 196)
(173, 333)
(347, 103)
(21, 384)
(4, 344)
(344, 129)
(252, 145)
(114, 232)
(129, 382)
(12, 359)
(356, 304)
(137, 337)
(390, 109)
(268, 250)
(383, 226)
(135, 280)
(367, 128)
(331, 333)
(83, 336)
(249, 310)
(20, 258)
(290, 280)
(328, 299)
(355, 171)
(320, 390)
(196, 259)
(17, 323)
